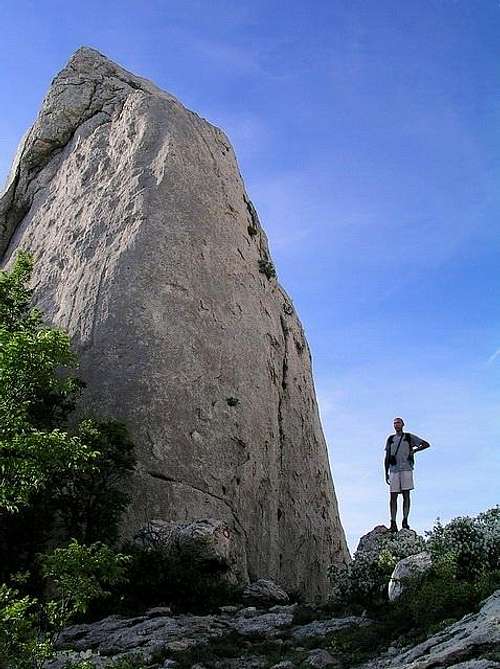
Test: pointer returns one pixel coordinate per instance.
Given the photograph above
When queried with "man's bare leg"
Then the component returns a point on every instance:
(393, 505)
(406, 507)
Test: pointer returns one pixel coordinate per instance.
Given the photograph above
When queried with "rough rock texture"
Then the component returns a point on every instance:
(414, 565)
(271, 639)
(321, 628)
(150, 253)
(400, 544)
(319, 658)
(264, 592)
(381, 536)
(159, 638)
(205, 542)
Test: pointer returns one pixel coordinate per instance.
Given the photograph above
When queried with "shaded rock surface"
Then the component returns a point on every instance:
(203, 542)
(264, 592)
(166, 638)
(150, 253)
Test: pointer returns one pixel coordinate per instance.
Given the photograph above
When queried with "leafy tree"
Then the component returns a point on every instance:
(29, 626)
(56, 482)
(34, 397)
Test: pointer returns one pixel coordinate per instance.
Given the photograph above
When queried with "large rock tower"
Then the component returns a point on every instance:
(150, 253)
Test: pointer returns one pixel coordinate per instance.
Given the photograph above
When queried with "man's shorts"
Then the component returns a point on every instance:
(401, 481)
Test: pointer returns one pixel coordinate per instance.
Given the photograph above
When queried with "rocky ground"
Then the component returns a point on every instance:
(272, 637)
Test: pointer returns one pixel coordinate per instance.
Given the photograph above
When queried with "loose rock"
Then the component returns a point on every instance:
(410, 567)
(319, 658)
(264, 592)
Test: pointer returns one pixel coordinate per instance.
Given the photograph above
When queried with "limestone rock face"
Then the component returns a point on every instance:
(150, 253)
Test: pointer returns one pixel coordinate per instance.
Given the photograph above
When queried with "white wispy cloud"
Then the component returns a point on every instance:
(494, 357)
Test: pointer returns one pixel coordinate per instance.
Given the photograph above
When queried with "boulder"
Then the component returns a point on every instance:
(264, 593)
(410, 567)
(206, 542)
(319, 658)
(321, 628)
(150, 253)
(402, 542)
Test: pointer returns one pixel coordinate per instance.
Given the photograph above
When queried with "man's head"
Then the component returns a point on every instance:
(398, 424)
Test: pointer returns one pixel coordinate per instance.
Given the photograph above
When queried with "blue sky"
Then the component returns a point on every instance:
(368, 135)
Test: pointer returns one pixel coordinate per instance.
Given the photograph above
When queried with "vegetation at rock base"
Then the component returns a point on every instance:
(363, 582)
(57, 484)
(156, 577)
(465, 570)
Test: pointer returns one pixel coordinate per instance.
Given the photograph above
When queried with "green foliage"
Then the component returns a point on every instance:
(355, 645)
(470, 545)
(29, 626)
(465, 570)
(78, 575)
(35, 397)
(15, 296)
(363, 582)
(156, 577)
(441, 596)
(266, 267)
(30, 461)
(55, 482)
(21, 644)
(94, 499)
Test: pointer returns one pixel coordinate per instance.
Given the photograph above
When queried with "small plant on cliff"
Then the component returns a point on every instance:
(266, 267)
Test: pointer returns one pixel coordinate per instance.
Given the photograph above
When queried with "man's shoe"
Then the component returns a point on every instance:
(394, 527)
(405, 524)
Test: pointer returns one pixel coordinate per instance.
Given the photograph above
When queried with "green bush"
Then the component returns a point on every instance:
(30, 626)
(154, 577)
(471, 545)
(362, 584)
(266, 267)
(57, 482)
(465, 570)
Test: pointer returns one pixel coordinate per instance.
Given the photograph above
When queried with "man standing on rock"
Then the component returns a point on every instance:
(398, 463)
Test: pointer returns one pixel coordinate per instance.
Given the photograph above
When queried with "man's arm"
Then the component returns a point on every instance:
(386, 463)
(421, 444)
